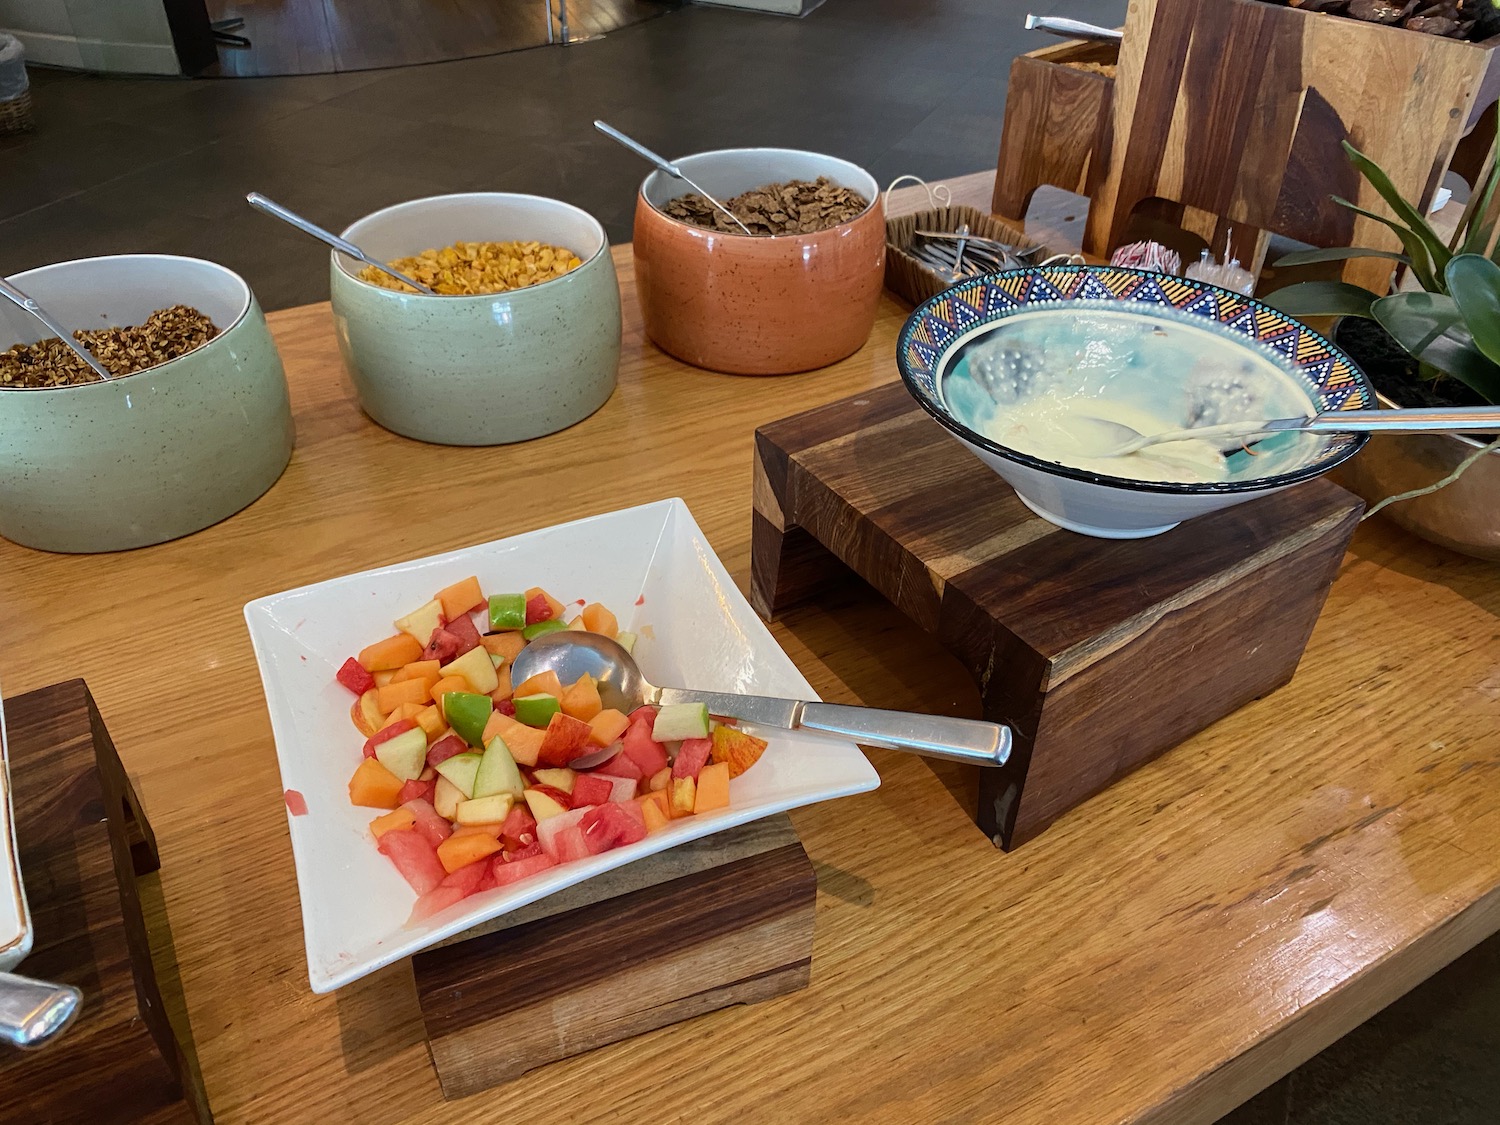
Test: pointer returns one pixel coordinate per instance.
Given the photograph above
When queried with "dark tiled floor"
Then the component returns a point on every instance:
(897, 85)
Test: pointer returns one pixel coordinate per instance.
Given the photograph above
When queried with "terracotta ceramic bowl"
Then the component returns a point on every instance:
(480, 370)
(758, 306)
(151, 456)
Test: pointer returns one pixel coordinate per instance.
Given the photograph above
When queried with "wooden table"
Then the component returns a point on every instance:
(1158, 955)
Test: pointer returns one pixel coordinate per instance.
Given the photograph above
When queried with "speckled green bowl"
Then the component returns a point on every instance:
(484, 370)
(150, 456)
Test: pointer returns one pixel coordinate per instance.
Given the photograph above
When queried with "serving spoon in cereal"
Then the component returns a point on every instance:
(27, 304)
(665, 165)
(342, 245)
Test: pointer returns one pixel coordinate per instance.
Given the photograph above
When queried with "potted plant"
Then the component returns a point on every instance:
(1437, 345)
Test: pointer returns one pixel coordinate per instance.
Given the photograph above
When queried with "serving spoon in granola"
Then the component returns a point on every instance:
(27, 304)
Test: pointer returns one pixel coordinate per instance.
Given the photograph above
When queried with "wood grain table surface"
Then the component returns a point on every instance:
(1158, 955)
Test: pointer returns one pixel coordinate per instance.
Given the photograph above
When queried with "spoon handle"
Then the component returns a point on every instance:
(639, 149)
(32, 1011)
(1453, 420)
(291, 218)
(933, 736)
(27, 304)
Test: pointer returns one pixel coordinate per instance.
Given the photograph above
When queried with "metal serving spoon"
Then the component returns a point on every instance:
(573, 653)
(27, 304)
(666, 166)
(1115, 439)
(343, 246)
(32, 1011)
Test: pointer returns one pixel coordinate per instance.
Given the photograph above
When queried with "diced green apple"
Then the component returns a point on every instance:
(485, 810)
(405, 755)
(475, 667)
(678, 721)
(467, 713)
(560, 778)
(420, 623)
(626, 641)
(507, 611)
(461, 770)
(551, 625)
(536, 710)
(498, 773)
(497, 660)
(578, 625)
(446, 798)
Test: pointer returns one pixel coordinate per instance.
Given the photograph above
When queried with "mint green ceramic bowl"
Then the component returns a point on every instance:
(151, 456)
(485, 370)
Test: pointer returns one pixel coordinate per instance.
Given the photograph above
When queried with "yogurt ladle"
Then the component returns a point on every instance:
(572, 653)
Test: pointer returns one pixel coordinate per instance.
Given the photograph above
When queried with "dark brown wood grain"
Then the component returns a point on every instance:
(1099, 654)
(501, 1003)
(80, 857)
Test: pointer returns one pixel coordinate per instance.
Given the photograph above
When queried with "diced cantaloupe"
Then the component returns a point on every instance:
(581, 699)
(597, 619)
(461, 850)
(543, 683)
(391, 653)
(418, 670)
(384, 676)
(503, 689)
(657, 809)
(508, 645)
(608, 725)
(374, 787)
(461, 597)
(399, 818)
(447, 684)
(523, 742)
(490, 830)
(713, 788)
(684, 793)
(431, 720)
(407, 691)
(557, 606)
(405, 711)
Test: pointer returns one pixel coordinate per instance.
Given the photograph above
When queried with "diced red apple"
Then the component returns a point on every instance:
(546, 803)
(474, 666)
(559, 778)
(444, 748)
(492, 809)
(421, 622)
(565, 739)
(384, 734)
(446, 797)
(406, 754)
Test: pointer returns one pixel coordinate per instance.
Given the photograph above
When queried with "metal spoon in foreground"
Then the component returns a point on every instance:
(1115, 439)
(572, 653)
(665, 165)
(291, 218)
(27, 304)
(32, 1011)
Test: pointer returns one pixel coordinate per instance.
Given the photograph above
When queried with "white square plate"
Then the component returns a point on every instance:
(653, 567)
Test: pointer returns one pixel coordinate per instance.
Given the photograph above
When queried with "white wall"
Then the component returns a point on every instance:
(123, 36)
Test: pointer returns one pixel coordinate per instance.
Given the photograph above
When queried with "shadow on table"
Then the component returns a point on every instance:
(379, 1018)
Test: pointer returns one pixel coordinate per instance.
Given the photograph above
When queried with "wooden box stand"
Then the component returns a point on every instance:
(1100, 654)
(723, 920)
(83, 844)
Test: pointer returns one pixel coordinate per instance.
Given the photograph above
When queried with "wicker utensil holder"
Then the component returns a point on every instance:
(909, 277)
(16, 115)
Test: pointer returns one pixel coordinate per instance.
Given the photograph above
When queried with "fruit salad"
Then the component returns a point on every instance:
(475, 773)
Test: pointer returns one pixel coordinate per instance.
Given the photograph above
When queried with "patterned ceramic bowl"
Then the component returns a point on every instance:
(970, 357)
(758, 306)
(150, 456)
(482, 370)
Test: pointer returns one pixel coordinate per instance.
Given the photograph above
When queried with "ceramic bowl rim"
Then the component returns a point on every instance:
(247, 303)
(875, 196)
(478, 298)
(1053, 468)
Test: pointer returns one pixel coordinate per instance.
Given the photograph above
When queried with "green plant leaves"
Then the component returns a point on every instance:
(1416, 249)
(1322, 298)
(1430, 326)
(1415, 221)
(1474, 285)
(1337, 254)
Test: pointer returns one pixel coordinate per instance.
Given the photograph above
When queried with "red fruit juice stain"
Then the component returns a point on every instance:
(296, 803)
(641, 600)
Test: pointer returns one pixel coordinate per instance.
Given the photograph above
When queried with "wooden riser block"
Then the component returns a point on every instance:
(83, 843)
(1099, 654)
(726, 920)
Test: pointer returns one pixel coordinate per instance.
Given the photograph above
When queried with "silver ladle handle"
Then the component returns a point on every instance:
(343, 246)
(664, 165)
(32, 1011)
(932, 736)
(1073, 29)
(27, 304)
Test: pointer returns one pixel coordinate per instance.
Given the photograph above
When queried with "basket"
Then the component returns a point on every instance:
(16, 115)
(908, 277)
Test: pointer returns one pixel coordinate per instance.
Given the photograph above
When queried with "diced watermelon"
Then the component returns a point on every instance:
(645, 714)
(591, 789)
(506, 707)
(443, 646)
(571, 845)
(439, 898)
(538, 609)
(353, 675)
(462, 627)
(415, 856)
(504, 873)
(611, 826)
(432, 825)
(488, 882)
(620, 766)
(386, 734)
(469, 876)
(525, 852)
(296, 803)
(548, 831)
(642, 749)
(519, 829)
(445, 748)
(692, 757)
(416, 790)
